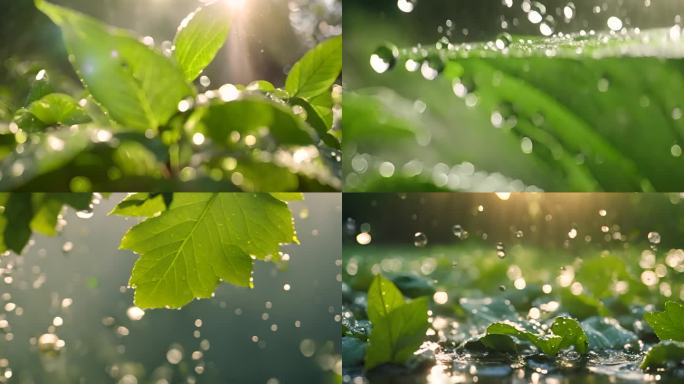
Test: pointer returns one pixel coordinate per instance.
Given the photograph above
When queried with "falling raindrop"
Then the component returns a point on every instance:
(500, 250)
(406, 6)
(459, 232)
(654, 238)
(420, 240)
(503, 41)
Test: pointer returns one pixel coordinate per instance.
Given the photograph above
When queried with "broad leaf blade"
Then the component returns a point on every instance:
(248, 116)
(200, 36)
(201, 239)
(58, 108)
(396, 337)
(317, 71)
(139, 87)
(139, 204)
(383, 298)
(669, 324)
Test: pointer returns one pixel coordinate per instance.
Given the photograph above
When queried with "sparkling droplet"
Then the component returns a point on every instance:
(384, 58)
(420, 240)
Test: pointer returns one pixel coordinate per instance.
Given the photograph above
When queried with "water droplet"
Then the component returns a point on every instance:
(420, 240)
(503, 41)
(459, 232)
(67, 247)
(614, 23)
(174, 354)
(500, 250)
(50, 343)
(84, 214)
(654, 237)
(134, 313)
(406, 6)
(384, 58)
(432, 67)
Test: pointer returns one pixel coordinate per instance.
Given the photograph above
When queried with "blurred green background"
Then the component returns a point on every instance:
(267, 37)
(235, 338)
(401, 119)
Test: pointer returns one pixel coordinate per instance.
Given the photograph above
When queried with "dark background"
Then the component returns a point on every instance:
(395, 218)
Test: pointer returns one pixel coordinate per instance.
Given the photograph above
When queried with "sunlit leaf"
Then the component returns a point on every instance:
(669, 324)
(317, 71)
(606, 333)
(202, 239)
(383, 298)
(58, 108)
(139, 204)
(396, 336)
(138, 86)
(666, 354)
(248, 116)
(200, 36)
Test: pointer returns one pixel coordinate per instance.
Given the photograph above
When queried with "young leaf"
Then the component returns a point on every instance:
(201, 239)
(58, 108)
(139, 87)
(317, 71)
(200, 36)
(665, 354)
(383, 298)
(250, 115)
(396, 337)
(139, 204)
(288, 196)
(572, 333)
(669, 324)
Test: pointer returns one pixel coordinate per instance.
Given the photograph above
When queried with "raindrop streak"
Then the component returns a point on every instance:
(420, 240)
(500, 250)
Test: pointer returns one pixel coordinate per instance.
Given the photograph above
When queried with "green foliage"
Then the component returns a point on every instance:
(140, 124)
(576, 117)
(140, 204)
(202, 239)
(669, 324)
(139, 87)
(666, 354)
(398, 327)
(25, 213)
(383, 298)
(565, 333)
(317, 71)
(187, 242)
(200, 36)
(58, 108)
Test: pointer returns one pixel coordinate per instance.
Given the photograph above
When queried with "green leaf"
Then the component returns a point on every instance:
(48, 206)
(201, 239)
(548, 343)
(200, 36)
(383, 298)
(139, 87)
(248, 116)
(317, 117)
(669, 324)
(572, 333)
(288, 196)
(396, 337)
(18, 213)
(48, 152)
(565, 333)
(606, 333)
(666, 354)
(139, 204)
(317, 71)
(58, 108)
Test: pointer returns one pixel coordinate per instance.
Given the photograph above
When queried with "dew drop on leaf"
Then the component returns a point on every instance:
(384, 58)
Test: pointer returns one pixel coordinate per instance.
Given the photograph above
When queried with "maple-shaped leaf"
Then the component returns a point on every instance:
(202, 239)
